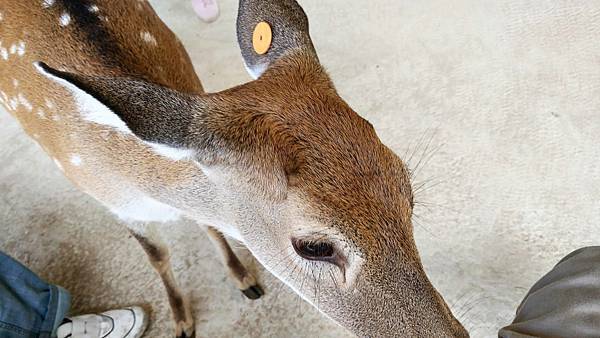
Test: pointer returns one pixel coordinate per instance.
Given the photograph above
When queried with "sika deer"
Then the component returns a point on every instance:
(281, 164)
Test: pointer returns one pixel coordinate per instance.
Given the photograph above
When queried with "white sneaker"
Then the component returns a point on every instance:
(123, 323)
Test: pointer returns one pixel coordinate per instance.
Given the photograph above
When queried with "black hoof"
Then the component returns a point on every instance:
(253, 292)
(184, 335)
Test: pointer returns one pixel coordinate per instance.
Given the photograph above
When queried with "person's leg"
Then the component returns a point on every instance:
(32, 308)
(563, 303)
(29, 307)
(128, 322)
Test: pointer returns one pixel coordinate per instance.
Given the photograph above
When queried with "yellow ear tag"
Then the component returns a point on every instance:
(262, 37)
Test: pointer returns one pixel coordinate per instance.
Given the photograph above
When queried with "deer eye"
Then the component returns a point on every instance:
(314, 250)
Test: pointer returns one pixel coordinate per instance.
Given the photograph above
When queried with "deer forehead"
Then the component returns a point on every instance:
(372, 212)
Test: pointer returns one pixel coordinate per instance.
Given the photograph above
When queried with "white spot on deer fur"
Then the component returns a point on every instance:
(41, 113)
(4, 53)
(142, 208)
(1, 16)
(176, 154)
(149, 38)
(24, 102)
(65, 19)
(15, 83)
(21, 48)
(13, 49)
(76, 160)
(13, 103)
(49, 103)
(89, 108)
(57, 162)
(47, 3)
(93, 9)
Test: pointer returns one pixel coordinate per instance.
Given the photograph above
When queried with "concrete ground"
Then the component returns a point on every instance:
(508, 92)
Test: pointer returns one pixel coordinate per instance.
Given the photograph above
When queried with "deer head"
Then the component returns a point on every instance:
(310, 188)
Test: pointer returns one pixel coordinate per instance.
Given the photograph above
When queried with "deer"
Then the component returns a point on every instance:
(280, 164)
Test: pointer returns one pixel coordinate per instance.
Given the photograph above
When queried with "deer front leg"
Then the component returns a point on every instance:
(243, 279)
(158, 254)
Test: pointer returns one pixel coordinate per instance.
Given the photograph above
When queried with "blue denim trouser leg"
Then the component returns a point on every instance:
(29, 307)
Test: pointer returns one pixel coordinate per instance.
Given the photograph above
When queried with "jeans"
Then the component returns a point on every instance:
(29, 307)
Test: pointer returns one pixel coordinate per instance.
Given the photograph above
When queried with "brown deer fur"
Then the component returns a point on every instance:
(110, 93)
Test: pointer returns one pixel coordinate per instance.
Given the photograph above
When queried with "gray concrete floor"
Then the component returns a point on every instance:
(508, 92)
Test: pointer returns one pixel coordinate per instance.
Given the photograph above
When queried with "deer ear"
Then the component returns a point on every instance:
(155, 114)
(270, 29)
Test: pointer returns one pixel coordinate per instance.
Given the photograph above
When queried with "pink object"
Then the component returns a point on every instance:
(207, 10)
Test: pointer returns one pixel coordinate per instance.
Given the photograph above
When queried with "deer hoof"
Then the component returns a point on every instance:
(183, 332)
(187, 335)
(253, 292)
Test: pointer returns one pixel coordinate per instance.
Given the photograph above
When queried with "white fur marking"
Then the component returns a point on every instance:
(49, 103)
(93, 9)
(257, 71)
(76, 160)
(15, 83)
(41, 113)
(4, 96)
(4, 53)
(13, 49)
(58, 164)
(143, 208)
(148, 37)
(24, 102)
(89, 108)
(13, 103)
(176, 154)
(65, 19)
(47, 3)
(21, 48)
